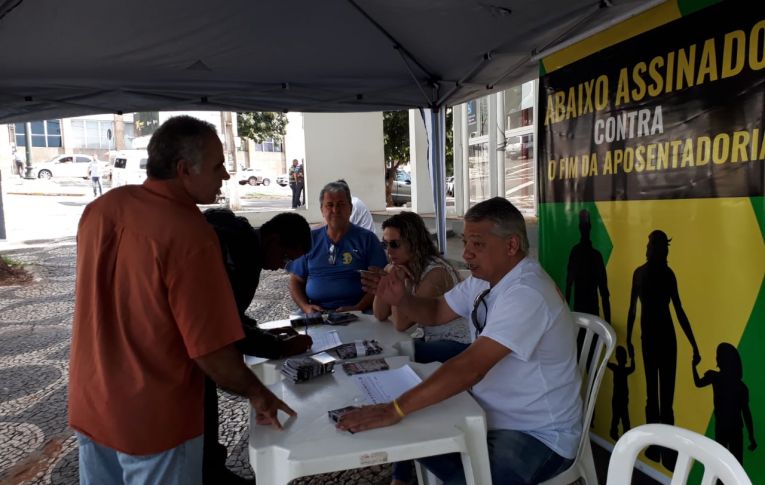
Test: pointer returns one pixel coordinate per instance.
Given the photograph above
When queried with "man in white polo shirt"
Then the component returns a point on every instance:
(521, 367)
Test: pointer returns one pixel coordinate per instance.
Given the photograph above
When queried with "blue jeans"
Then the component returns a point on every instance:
(424, 353)
(181, 465)
(515, 458)
(436, 350)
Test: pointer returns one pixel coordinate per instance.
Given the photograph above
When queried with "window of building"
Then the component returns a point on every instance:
(519, 172)
(478, 169)
(43, 134)
(270, 145)
(92, 134)
(519, 106)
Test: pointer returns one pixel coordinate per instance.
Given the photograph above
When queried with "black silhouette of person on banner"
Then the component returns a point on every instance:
(621, 396)
(586, 273)
(731, 400)
(654, 283)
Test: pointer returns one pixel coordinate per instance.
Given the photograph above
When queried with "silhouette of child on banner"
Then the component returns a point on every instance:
(621, 395)
(731, 400)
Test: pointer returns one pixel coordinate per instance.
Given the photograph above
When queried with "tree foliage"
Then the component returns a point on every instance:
(259, 126)
(396, 137)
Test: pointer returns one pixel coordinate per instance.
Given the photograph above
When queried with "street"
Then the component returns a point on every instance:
(43, 211)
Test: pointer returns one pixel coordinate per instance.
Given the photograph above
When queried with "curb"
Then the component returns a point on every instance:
(55, 194)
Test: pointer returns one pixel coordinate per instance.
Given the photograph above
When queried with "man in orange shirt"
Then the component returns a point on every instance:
(154, 311)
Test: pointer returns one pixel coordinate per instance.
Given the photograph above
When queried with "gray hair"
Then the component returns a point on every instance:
(179, 138)
(336, 187)
(507, 219)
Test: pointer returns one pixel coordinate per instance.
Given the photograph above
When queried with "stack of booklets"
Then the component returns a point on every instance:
(301, 369)
(359, 348)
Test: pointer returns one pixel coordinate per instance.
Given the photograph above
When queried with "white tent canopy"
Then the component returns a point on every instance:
(78, 57)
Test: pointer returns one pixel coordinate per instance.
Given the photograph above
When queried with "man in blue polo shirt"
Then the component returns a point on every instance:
(327, 278)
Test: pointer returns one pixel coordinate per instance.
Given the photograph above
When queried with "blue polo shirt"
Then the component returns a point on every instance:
(332, 284)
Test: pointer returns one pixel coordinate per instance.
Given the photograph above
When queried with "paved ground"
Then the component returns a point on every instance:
(35, 330)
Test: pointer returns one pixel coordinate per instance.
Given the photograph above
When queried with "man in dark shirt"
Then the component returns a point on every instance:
(247, 251)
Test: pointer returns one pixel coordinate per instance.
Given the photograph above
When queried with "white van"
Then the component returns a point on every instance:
(129, 167)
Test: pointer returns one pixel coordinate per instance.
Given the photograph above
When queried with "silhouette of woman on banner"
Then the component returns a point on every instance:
(731, 400)
(654, 283)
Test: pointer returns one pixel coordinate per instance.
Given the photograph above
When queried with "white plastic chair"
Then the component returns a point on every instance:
(718, 462)
(603, 345)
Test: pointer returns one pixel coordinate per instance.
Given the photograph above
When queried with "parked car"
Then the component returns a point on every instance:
(283, 180)
(450, 186)
(402, 188)
(75, 165)
(253, 176)
(129, 167)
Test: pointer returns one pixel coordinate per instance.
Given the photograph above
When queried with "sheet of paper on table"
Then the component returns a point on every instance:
(251, 360)
(327, 341)
(385, 386)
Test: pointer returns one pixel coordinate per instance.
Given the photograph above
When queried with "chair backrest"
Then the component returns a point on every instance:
(599, 342)
(718, 462)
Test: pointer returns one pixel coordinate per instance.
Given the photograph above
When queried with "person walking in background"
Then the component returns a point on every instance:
(296, 182)
(94, 172)
(19, 164)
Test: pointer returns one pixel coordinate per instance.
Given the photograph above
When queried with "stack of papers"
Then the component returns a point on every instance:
(301, 369)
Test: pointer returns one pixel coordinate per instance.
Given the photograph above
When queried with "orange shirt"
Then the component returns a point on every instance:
(151, 295)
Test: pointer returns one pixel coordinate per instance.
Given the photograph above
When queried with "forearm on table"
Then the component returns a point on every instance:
(226, 367)
(400, 319)
(381, 310)
(427, 311)
(453, 377)
(365, 302)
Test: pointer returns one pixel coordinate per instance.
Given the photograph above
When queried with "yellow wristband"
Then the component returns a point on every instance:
(398, 409)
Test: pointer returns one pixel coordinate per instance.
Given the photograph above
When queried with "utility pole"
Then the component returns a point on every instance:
(230, 154)
(28, 146)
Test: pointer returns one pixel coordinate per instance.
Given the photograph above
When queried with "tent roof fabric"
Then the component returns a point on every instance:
(93, 56)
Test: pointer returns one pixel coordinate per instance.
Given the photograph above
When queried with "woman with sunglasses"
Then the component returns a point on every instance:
(412, 253)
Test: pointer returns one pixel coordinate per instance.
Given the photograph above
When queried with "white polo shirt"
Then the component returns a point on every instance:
(535, 388)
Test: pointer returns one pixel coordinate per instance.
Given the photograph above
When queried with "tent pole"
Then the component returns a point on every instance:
(437, 148)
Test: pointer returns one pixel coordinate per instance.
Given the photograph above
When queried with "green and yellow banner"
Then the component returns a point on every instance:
(652, 215)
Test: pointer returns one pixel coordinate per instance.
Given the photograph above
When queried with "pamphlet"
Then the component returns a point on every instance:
(385, 386)
(364, 366)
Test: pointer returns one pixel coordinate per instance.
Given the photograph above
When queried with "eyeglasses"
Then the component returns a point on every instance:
(331, 258)
(394, 244)
(474, 315)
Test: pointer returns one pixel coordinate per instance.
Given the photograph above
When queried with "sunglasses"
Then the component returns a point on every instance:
(332, 256)
(479, 323)
(394, 244)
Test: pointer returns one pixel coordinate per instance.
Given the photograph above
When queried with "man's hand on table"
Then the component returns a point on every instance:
(368, 417)
(296, 344)
(311, 308)
(266, 406)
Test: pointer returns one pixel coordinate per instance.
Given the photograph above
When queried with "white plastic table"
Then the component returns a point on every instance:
(365, 328)
(310, 443)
